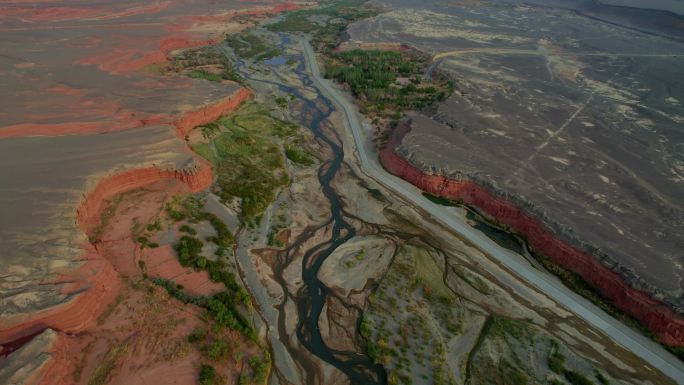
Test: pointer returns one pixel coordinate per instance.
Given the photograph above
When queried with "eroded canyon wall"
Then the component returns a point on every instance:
(657, 316)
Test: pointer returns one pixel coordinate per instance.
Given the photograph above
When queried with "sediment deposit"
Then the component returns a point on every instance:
(657, 316)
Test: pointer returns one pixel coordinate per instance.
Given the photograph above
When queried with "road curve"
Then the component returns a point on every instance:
(641, 346)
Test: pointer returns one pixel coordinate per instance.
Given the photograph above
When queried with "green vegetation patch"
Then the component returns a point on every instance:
(298, 156)
(386, 83)
(410, 318)
(206, 75)
(249, 45)
(326, 23)
(191, 61)
(440, 201)
(248, 155)
(223, 307)
(208, 375)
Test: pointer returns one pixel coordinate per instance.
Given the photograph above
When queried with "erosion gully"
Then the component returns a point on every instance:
(314, 115)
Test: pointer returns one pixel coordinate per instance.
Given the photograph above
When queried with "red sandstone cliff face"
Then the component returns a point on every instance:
(96, 280)
(96, 275)
(209, 113)
(657, 316)
(87, 213)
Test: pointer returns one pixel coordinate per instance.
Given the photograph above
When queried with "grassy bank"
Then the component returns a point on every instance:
(248, 150)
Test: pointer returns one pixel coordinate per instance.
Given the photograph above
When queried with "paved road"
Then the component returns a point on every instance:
(516, 51)
(641, 346)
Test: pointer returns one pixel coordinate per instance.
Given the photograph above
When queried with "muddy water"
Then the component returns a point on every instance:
(359, 368)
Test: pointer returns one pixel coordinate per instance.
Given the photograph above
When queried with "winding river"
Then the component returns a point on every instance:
(311, 299)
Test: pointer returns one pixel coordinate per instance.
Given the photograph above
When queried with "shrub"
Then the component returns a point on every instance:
(188, 250)
(576, 378)
(202, 74)
(188, 229)
(218, 350)
(197, 335)
(207, 375)
(556, 362)
(298, 156)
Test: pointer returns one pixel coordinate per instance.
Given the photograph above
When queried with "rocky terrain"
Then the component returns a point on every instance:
(585, 132)
(92, 112)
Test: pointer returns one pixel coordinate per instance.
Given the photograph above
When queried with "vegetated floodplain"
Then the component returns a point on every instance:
(226, 312)
(248, 151)
(325, 23)
(386, 83)
(400, 324)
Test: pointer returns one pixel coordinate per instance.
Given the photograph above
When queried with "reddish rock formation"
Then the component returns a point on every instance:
(96, 275)
(209, 113)
(657, 316)
(95, 283)
(196, 180)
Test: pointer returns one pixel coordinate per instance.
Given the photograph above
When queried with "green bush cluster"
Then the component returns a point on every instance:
(204, 74)
(249, 159)
(188, 229)
(439, 200)
(298, 156)
(185, 207)
(556, 362)
(218, 350)
(260, 368)
(178, 293)
(144, 242)
(372, 77)
(189, 250)
(207, 375)
(326, 36)
(224, 237)
(248, 45)
(196, 336)
(221, 307)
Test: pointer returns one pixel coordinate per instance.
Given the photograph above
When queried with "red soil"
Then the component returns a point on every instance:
(285, 7)
(59, 13)
(96, 275)
(49, 13)
(130, 58)
(96, 280)
(104, 282)
(88, 213)
(654, 314)
(209, 113)
(163, 262)
(127, 120)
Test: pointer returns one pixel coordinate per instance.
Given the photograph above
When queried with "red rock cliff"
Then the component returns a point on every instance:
(209, 113)
(96, 280)
(87, 213)
(656, 315)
